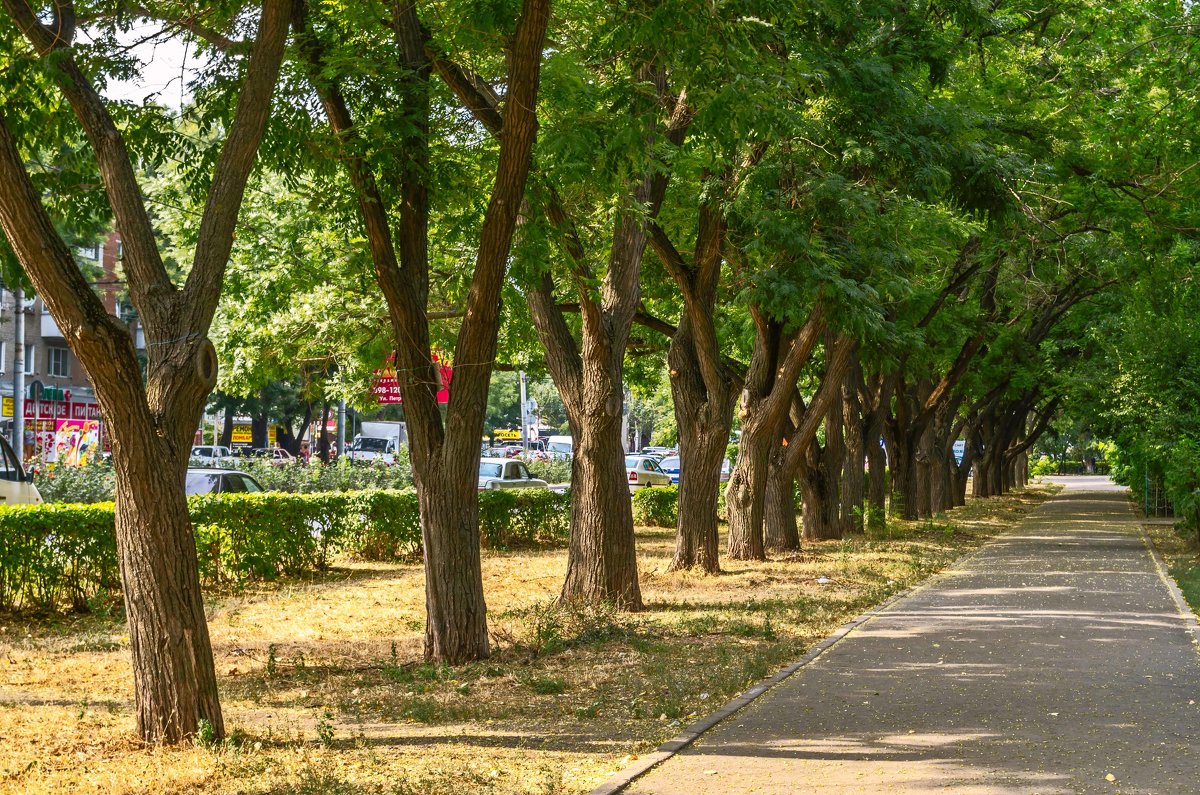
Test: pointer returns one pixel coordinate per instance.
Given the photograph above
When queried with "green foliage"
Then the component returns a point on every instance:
(555, 470)
(60, 553)
(83, 484)
(656, 507)
(56, 554)
(523, 517)
(342, 475)
(94, 482)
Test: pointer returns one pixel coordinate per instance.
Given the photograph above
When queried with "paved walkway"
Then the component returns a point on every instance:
(1050, 660)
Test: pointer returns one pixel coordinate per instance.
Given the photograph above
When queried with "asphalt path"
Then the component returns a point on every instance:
(1056, 659)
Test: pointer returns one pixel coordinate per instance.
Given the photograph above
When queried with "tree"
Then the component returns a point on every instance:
(150, 422)
(445, 455)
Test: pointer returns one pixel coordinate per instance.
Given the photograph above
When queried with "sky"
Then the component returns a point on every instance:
(167, 65)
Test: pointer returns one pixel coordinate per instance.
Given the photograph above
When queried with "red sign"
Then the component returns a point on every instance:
(386, 388)
(61, 409)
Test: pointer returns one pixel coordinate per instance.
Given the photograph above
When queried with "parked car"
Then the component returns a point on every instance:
(657, 453)
(512, 450)
(670, 465)
(210, 454)
(16, 485)
(210, 480)
(505, 473)
(644, 472)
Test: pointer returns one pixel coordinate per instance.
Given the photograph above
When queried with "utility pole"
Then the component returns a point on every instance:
(341, 428)
(18, 436)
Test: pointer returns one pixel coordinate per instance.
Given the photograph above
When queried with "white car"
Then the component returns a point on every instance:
(210, 454)
(16, 485)
(644, 472)
(507, 473)
(670, 465)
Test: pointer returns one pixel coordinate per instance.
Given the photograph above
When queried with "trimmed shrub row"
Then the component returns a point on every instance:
(59, 553)
(656, 507)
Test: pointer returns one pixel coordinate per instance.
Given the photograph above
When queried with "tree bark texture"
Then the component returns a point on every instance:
(151, 423)
(601, 558)
(770, 383)
(852, 509)
(781, 533)
(704, 419)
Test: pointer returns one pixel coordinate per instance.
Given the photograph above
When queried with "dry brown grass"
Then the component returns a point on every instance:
(323, 685)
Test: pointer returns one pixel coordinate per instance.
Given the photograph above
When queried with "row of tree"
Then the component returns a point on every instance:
(860, 232)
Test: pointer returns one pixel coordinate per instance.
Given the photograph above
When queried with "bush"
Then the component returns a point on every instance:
(523, 517)
(552, 471)
(1043, 466)
(656, 507)
(61, 553)
(80, 484)
(94, 482)
(55, 554)
(342, 475)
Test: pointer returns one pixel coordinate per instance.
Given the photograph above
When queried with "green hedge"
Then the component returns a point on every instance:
(55, 554)
(656, 507)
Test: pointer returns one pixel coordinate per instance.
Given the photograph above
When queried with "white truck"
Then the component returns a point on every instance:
(378, 441)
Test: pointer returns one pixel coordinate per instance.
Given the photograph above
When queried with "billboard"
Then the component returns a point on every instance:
(385, 387)
(76, 442)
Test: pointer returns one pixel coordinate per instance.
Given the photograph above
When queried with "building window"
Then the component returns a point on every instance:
(30, 359)
(57, 362)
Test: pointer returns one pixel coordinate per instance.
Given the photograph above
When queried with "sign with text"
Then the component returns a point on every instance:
(385, 387)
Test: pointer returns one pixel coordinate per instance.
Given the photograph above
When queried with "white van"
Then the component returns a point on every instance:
(16, 487)
(560, 447)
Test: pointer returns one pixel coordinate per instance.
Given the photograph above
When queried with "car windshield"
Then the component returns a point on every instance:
(489, 470)
(560, 447)
(669, 463)
(631, 462)
(371, 445)
(201, 482)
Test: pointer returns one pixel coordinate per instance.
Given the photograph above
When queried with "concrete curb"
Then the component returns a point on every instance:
(1185, 611)
(621, 779)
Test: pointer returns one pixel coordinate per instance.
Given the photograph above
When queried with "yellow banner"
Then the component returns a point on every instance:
(242, 434)
(6, 407)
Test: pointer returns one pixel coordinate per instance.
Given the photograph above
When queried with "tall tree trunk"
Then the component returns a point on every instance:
(152, 422)
(779, 509)
(601, 559)
(923, 469)
(745, 497)
(227, 428)
(704, 419)
(852, 467)
(323, 439)
(173, 671)
(817, 512)
(258, 431)
(766, 401)
(833, 457)
(456, 612)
